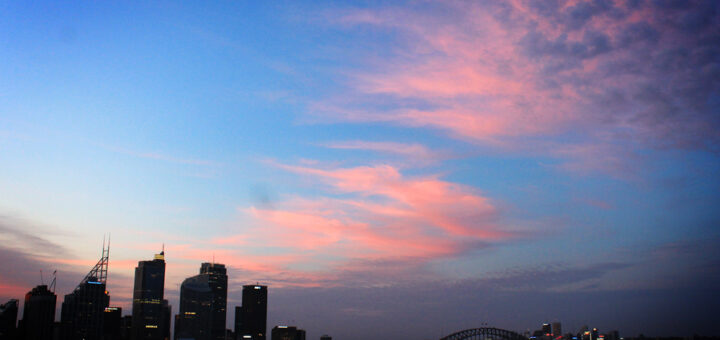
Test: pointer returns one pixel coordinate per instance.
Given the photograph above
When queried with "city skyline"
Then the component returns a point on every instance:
(386, 169)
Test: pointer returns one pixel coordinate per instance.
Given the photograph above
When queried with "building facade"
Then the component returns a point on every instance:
(8, 320)
(148, 308)
(287, 333)
(38, 314)
(203, 304)
(82, 311)
(217, 279)
(251, 317)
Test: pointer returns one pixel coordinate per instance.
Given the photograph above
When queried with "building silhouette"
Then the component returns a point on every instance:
(287, 333)
(251, 317)
(203, 304)
(112, 323)
(148, 317)
(38, 314)
(8, 320)
(82, 310)
(557, 329)
(167, 317)
(217, 279)
(126, 327)
(325, 337)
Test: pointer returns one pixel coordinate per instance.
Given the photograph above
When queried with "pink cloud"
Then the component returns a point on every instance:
(499, 74)
(375, 220)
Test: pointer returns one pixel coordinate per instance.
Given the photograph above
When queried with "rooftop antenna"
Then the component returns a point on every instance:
(163, 249)
(100, 270)
(42, 282)
(52, 284)
(108, 258)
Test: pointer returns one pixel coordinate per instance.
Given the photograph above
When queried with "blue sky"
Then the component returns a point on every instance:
(512, 155)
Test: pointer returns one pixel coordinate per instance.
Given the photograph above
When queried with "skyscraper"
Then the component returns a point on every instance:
(557, 329)
(167, 316)
(147, 313)
(217, 279)
(251, 317)
(203, 302)
(82, 310)
(8, 320)
(38, 314)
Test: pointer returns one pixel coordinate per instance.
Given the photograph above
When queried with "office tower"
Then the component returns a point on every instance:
(251, 317)
(194, 320)
(287, 333)
(217, 279)
(8, 320)
(148, 308)
(39, 314)
(82, 310)
(325, 337)
(556, 329)
(112, 323)
(546, 328)
(167, 317)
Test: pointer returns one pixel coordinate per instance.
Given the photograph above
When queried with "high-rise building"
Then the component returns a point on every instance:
(167, 317)
(39, 314)
(203, 304)
(556, 329)
(112, 323)
(148, 308)
(251, 317)
(8, 320)
(217, 279)
(287, 333)
(194, 320)
(82, 310)
(325, 337)
(546, 328)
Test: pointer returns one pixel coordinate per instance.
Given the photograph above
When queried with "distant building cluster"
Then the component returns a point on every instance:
(86, 313)
(553, 331)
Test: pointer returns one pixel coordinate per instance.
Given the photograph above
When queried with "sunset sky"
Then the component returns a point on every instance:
(390, 170)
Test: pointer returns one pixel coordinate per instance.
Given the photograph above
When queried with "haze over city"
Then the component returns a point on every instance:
(389, 170)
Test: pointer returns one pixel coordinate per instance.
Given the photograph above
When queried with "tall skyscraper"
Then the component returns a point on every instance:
(251, 317)
(556, 329)
(203, 304)
(39, 314)
(325, 337)
(82, 310)
(8, 320)
(217, 279)
(148, 309)
(167, 317)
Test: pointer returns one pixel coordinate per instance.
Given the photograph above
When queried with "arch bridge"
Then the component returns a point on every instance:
(484, 333)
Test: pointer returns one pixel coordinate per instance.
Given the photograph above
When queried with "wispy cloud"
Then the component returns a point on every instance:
(507, 75)
(412, 152)
(369, 219)
(162, 157)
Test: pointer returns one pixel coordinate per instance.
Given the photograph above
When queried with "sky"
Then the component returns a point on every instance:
(389, 169)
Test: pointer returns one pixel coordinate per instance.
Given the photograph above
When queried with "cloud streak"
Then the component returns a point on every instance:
(641, 75)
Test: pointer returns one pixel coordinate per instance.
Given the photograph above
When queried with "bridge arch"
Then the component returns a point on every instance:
(484, 333)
